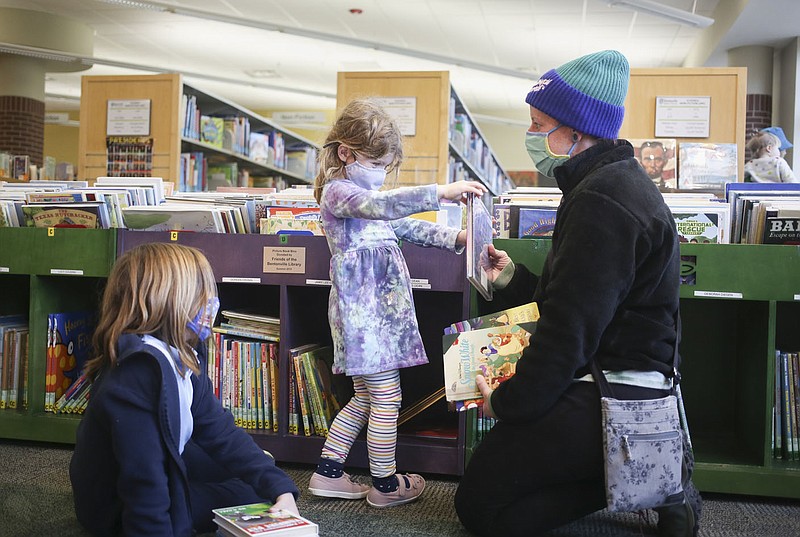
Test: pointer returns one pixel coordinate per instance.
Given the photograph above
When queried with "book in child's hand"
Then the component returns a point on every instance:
(525, 313)
(255, 519)
(492, 352)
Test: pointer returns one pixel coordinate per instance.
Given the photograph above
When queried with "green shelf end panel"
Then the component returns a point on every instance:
(38, 427)
(58, 251)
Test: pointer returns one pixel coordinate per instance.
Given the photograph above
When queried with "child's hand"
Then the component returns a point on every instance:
(455, 191)
(285, 502)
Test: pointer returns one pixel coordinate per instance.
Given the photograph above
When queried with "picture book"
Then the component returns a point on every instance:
(254, 520)
(525, 313)
(70, 344)
(707, 165)
(701, 226)
(658, 158)
(174, 218)
(492, 352)
(480, 233)
(538, 222)
(85, 215)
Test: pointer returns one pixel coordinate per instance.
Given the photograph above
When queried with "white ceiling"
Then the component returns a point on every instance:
(494, 49)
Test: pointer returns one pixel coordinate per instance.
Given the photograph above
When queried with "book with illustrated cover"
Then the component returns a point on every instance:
(492, 352)
(658, 158)
(255, 520)
(69, 347)
(480, 233)
(703, 165)
(536, 222)
(703, 226)
(525, 313)
(86, 215)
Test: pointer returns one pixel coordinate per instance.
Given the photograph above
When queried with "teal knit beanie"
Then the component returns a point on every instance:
(586, 94)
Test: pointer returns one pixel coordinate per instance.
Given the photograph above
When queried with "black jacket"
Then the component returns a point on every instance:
(608, 288)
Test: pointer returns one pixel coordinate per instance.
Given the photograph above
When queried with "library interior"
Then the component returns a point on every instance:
(206, 123)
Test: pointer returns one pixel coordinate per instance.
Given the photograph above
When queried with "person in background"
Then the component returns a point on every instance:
(155, 451)
(785, 143)
(767, 164)
(608, 291)
(371, 307)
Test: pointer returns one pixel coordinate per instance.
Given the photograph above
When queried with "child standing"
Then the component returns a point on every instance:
(155, 451)
(767, 164)
(371, 308)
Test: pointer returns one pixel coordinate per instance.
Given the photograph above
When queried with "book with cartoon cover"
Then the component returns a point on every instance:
(256, 520)
(492, 352)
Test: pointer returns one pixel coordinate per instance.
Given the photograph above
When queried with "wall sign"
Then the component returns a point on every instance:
(128, 117)
(403, 110)
(682, 117)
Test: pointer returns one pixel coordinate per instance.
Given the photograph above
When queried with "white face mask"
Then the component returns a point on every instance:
(367, 178)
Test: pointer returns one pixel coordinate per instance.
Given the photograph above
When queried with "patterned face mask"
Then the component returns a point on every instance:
(368, 178)
(543, 158)
(204, 320)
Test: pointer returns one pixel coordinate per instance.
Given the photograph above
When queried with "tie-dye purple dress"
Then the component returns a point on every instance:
(371, 309)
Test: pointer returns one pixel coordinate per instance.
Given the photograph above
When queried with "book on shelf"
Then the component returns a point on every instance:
(707, 165)
(658, 157)
(14, 348)
(91, 215)
(535, 222)
(256, 520)
(492, 351)
(480, 234)
(702, 224)
(198, 218)
(211, 130)
(319, 393)
(278, 225)
(69, 344)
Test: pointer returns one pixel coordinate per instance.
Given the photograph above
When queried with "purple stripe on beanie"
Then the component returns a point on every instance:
(556, 98)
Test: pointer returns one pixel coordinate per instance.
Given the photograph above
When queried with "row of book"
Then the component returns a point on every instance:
(69, 344)
(14, 347)
(786, 412)
(470, 145)
(688, 165)
(749, 213)
(19, 167)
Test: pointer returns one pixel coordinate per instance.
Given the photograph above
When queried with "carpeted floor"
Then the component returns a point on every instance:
(36, 500)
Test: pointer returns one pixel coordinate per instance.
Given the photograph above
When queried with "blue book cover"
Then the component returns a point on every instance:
(536, 222)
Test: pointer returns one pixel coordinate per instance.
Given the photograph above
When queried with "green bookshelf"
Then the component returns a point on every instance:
(43, 271)
(743, 302)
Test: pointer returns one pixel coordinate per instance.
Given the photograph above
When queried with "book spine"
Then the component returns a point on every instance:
(273, 384)
(302, 393)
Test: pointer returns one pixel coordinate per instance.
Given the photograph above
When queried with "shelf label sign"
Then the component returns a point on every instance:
(128, 117)
(420, 283)
(683, 117)
(718, 294)
(5, 269)
(67, 272)
(310, 281)
(240, 279)
(403, 110)
(284, 260)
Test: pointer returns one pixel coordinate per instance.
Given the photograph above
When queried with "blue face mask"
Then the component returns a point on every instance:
(543, 158)
(367, 178)
(204, 320)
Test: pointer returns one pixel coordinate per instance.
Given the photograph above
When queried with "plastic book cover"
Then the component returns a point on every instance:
(538, 222)
(480, 234)
(255, 520)
(82, 215)
(71, 345)
(162, 218)
(492, 352)
(707, 165)
(700, 227)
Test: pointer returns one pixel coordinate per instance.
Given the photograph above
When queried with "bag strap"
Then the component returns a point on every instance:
(602, 382)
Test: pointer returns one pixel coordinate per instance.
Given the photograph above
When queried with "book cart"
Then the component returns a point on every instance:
(742, 304)
(43, 271)
(167, 95)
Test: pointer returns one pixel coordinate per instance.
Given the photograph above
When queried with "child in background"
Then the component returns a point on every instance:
(767, 164)
(371, 308)
(155, 451)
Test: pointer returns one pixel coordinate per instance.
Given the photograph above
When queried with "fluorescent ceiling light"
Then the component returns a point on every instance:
(665, 12)
(156, 5)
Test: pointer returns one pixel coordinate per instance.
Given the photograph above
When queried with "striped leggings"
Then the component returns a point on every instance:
(377, 401)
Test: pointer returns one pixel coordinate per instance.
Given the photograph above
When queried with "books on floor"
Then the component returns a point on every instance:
(492, 350)
(256, 520)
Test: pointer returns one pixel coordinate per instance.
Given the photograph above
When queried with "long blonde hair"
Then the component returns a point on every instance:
(365, 128)
(153, 289)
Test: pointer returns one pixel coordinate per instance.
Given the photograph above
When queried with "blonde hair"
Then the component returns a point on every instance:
(154, 289)
(757, 145)
(365, 128)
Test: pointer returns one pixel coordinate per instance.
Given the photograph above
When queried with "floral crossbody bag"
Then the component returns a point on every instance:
(644, 444)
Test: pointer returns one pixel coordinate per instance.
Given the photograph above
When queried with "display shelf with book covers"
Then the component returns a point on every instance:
(298, 297)
(49, 271)
(742, 303)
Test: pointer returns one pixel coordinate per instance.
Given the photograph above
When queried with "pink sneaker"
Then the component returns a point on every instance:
(337, 487)
(411, 486)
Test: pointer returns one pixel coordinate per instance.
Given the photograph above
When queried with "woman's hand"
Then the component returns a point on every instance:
(285, 502)
(455, 191)
(493, 262)
(486, 392)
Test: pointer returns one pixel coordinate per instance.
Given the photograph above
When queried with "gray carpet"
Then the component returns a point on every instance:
(36, 500)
